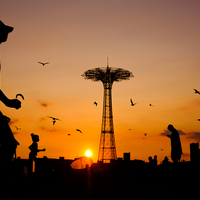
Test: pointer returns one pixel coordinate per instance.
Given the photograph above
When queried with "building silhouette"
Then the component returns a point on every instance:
(194, 152)
(127, 156)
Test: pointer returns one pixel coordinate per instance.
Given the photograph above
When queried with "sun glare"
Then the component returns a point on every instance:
(88, 153)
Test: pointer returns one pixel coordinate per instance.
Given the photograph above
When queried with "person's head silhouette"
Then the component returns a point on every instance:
(170, 127)
(35, 138)
(4, 31)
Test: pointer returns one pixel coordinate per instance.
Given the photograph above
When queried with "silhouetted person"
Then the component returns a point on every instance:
(154, 161)
(34, 150)
(176, 149)
(150, 161)
(165, 161)
(8, 143)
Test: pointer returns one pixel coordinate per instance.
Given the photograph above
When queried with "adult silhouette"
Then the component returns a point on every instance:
(8, 143)
(34, 150)
(150, 160)
(165, 161)
(176, 149)
(155, 161)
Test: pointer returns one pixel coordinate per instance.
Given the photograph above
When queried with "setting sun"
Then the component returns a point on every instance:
(88, 153)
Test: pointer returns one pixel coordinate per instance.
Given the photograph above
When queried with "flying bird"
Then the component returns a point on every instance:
(95, 103)
(132, 104)
(20, 96)
(145, 134)
(43, 63)
(198, 119)
(161, 149)
(79, 130)
(151, 105)
(196, 91)
(54, 119)
(68, 134)
(17, 128)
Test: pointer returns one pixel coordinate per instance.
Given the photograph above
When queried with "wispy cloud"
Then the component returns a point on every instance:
(190, 135)
(43, 119)
(15, 133)
(52, 130)
(13, 121)
(193, 135)
(167, 132)
(44, 104)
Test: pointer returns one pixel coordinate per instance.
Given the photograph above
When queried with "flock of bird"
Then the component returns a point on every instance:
(95, 103)
(132, 104)
(54, 119)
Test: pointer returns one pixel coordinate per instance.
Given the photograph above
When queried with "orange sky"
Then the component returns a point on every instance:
(158, 41)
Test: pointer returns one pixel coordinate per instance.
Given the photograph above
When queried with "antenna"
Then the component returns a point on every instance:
(107, 62)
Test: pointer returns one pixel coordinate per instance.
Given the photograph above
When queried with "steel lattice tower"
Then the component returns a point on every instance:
(107, 75)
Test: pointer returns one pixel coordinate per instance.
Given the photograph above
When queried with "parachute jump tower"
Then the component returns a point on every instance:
(107, 75)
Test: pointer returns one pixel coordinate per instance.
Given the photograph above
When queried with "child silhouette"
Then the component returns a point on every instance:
(34, 150)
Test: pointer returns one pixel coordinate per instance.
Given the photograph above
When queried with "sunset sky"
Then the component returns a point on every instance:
(158, 41)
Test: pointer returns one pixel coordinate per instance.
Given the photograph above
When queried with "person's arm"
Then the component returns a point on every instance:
(12, 103)
(41, 150)
(168, 136)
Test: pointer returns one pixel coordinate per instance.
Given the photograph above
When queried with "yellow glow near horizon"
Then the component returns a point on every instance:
(88, 153)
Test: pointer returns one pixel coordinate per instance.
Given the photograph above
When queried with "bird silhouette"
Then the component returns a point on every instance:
(198, 119)
(54, 119)
(79, 130)
(196, 91)
(68, 134)
(95, 103)
(151, 105)
(145, 134)
(17, 128)
(161, 149)
(20, 96)
(43, 63)
(132, 104)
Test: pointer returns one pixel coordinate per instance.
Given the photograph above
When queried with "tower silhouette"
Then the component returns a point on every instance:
(107, 75)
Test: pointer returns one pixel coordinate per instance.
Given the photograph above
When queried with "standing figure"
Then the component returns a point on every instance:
(176, 149)
(150, 161)
(8, 143)
(34, 150)
(155, 161)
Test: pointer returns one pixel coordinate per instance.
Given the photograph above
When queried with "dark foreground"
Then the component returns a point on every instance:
(110, 182)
